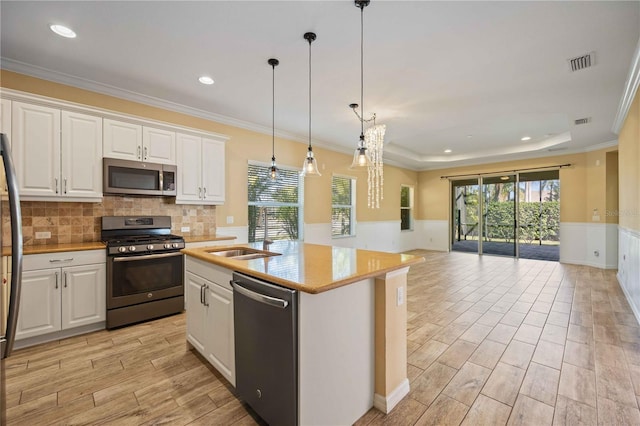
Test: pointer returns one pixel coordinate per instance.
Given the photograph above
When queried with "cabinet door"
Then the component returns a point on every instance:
(158, 146)
(195, 311)
(219, 326)
(189, 161)
(5, 127)
(39, 303)
(36, 148)
(213, 174)
(83, 295)
(122, 140)
(81, 155)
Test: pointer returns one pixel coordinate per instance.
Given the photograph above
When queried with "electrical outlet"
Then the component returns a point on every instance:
(229, 220)
(400, 296)
(185, 229)
(43, 235)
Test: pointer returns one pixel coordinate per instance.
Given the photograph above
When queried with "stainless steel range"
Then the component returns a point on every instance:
(144, 269)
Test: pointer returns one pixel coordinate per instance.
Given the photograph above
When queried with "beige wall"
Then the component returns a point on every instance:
(629, 163)
(244, 146)
(582, 186)
(612, 188)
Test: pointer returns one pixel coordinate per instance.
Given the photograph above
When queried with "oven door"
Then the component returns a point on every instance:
(143, 278)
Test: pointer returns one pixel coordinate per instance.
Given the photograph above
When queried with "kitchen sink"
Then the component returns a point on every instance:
(243, 253)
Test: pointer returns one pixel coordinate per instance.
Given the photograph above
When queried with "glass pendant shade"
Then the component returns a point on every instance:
(273, 172)
(310, 165)
(360, 157)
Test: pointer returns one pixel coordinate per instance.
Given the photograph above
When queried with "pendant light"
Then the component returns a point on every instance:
(273, 173)
(310, 165)
(360, 157)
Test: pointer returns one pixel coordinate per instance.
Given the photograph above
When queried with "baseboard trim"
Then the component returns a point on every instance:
(387, 403)
(635, 310)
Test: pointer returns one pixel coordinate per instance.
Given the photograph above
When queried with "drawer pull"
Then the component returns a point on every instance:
(60, 260)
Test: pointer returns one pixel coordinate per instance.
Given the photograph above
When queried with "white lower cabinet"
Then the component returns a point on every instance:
(210, 314)
(55, 298)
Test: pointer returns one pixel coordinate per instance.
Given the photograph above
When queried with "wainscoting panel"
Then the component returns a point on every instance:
(629, 266)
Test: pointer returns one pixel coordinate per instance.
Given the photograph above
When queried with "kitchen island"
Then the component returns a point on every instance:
(351, 321)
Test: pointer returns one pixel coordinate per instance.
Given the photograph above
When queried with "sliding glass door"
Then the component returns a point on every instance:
(511, 214)
(499, 215)
(466, 226)
(539, 215)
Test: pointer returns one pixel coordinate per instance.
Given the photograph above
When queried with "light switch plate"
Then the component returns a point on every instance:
(43, 235)
(229, 220)
(185, 229)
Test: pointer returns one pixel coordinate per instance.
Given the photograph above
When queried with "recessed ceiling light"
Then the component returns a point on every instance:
(525, 138)
(63, 31)
(504, 177)
(205, 80)
(447, 151)
(469, 136)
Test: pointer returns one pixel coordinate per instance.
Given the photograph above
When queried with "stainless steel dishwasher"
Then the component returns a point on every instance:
(266, 343)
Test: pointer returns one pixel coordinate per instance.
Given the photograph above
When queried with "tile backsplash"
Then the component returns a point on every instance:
(80, 222)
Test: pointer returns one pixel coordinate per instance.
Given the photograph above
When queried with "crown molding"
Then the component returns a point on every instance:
(629, 93)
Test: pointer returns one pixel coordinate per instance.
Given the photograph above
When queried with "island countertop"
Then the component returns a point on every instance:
(310, 268)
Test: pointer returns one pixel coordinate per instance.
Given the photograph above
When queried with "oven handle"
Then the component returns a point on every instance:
(146, 256)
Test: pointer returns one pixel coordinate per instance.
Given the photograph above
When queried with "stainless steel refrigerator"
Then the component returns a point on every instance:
(10, 291)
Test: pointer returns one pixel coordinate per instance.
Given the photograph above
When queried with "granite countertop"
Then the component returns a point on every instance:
(56, 248)
(309, 267)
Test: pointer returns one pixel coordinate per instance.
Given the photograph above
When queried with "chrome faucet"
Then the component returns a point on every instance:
(266, 243)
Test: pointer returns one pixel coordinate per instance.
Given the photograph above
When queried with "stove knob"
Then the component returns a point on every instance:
(167, 246)
(175, 245)
(122, 249)
(150, 247)
(132, 248)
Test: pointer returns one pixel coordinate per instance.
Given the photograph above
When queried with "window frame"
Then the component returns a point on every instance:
(409, 208)
(299, 204)
(352, 207)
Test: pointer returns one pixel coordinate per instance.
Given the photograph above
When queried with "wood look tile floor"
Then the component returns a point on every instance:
(491, 341)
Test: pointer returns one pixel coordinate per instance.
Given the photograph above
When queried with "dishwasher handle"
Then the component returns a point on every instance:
(268, 300)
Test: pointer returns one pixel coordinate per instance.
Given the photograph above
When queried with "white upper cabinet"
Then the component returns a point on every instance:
(129, 141)
(5, 127)
(158, 146)
(5, 117)
(201, 170)
(81, 155)
(122, 140)
(57, 154)
(36, 149)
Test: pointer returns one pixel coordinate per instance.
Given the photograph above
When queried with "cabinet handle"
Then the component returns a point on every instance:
(205, 192)
(65, 185)
(205, 295)
(56, 280)
(199, 192)
(56, 179)
(138, 154)
(65, 280)
(145, 152)
(202, 294)
(61, 260)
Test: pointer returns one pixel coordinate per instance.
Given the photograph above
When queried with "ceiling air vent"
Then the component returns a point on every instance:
(580, 121)
(582, 62)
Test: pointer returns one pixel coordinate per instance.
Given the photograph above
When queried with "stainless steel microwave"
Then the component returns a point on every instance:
(138, 178)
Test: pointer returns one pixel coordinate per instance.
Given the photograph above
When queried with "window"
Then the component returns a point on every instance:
(275, 208)
(342, 206)
(406, 206)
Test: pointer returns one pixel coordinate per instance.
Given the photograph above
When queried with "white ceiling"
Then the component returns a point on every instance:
(473, 77)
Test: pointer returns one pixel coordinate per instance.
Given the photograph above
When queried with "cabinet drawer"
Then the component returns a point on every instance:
(209, 271)
(59, 260)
